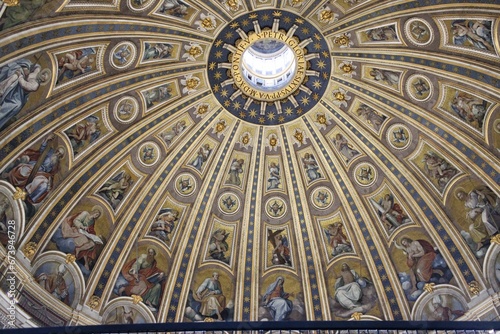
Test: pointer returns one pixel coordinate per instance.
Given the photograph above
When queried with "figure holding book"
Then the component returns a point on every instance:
(77, 235)
(209, 293)
(142, 277)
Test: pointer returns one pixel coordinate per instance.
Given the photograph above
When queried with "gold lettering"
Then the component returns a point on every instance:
(247, 88)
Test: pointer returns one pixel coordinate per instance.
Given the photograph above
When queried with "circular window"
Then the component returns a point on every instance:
(268, 64)
(269, 67)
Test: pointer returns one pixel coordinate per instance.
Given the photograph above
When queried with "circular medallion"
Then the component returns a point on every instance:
(185, 184)
(126, 109)
(322, 198)
(398, 136)
(419, 87)
(418, 32)
(139, 5)
(496, 125)
(263, 66)
(269, 67)
(123, 55)
(229, 203)
(275, 207)
(365, 174)
(149, 153)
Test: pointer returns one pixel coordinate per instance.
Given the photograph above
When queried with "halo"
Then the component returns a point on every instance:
(457, 191)
(97, 208)
(44, 71)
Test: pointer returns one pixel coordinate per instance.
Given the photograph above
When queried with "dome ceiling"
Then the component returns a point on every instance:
(149, 179)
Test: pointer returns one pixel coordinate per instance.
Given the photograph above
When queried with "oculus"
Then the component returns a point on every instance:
(268, 64)
(269, 67)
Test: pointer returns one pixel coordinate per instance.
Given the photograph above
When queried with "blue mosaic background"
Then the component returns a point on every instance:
(181, 274)
(383, 276)
(249, 269)
(465, 148)
(311, 269)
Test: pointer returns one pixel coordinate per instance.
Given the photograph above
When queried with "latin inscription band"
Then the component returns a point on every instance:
(267, 95)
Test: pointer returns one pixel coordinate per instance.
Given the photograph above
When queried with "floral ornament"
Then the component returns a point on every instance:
(272, 141)
(300, 137)
(340, 97)
(326, 15)
(190, 84)
(296, 3)
(220, 127)
(19, 194)
(429, 287)
(245, 140)
(343, 40)
(233, 5)
(322, 120)
(94, 302)
(193, 51)
(70, 258)
(322, 198)
(29, 249)
(136, 299)
(474, 288)
(348, 68)
(206, 23)
(201, 110)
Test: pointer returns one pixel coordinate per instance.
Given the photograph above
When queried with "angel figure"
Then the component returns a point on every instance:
(438, 168)
(389, 77)
(218, 245)
(390, 213)
(122, 55)
(365, 174)
(75, 63)
(157, 51)
(282, 250)
(311, 166)
(229, 202)
(274, 180)
(176, 8)
(275, 209)
(342, 145)
(164, 224)
(185, 185)
(84, 133)
(371, 116)
(201, 157)
(421, 87)
(148, 153)
(125, 109)
(169, 135)
(114, 189)
(337, 239)
(399, 136)
(322, 198)
(419, 31)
